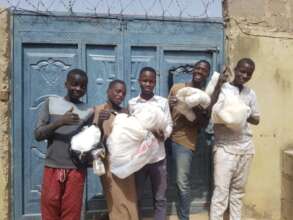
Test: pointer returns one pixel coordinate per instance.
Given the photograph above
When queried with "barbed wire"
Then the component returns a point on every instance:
(147, 8)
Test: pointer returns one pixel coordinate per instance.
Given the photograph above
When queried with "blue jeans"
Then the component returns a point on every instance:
(182, 157)
(157, 172)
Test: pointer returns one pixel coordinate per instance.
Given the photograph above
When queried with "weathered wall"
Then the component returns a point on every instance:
(4, 116)
(263, 30)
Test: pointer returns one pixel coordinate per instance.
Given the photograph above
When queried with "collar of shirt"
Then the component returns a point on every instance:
(139, 99)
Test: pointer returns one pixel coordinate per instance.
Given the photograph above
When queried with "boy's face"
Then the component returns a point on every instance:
(76, 86)
(200, 73)
(147, 82)
(243, 73)
(116, 93)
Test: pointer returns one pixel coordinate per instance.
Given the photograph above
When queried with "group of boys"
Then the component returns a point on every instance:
(233, 151)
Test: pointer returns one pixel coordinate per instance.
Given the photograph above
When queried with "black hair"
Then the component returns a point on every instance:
(147, 68)
(245, 60)
(116, 81)
(77, 72)
(203, 61)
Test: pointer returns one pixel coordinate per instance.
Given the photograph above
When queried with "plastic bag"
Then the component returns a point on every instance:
(188, 98)
(231, 111)
(212, 83)
(131, 144)
(150, 117)
(98, 165)
(82, 144)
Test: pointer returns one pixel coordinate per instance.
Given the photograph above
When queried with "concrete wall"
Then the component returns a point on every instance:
(4, 116)
(263, 30)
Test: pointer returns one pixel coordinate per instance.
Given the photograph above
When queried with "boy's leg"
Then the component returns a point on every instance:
(51, 195)
(120, 195)
(158, 175)
(73, 194)
(140, 179)
(224, 165)
(182, 158)
(238, 186)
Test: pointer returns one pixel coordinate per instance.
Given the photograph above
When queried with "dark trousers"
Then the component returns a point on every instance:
(62, 192)
(158, 178)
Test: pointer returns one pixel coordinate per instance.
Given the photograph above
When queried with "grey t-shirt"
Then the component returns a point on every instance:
(54, 107)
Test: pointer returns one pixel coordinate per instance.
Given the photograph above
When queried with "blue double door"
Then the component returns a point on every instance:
(45, 48)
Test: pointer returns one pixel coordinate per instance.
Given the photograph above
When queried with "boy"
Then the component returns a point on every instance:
(233, 150)
(184, 138)
(157, 171)
(120, 193)
(59, 119)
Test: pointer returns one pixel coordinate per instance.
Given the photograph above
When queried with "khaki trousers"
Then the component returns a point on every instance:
(230, 176)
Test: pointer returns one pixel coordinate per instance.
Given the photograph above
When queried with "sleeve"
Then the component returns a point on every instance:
(41, 130)
(90, 118)
(172, 92)
(130, 107)
(254, 106)
(97, 111)
(169, 127)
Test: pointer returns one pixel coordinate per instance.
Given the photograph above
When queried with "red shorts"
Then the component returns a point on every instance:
(62, 193)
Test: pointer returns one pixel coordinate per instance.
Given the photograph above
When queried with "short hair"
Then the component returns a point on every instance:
(245, 60)
(147, 68)
(204, 61)
(114, 82)
(77, 72)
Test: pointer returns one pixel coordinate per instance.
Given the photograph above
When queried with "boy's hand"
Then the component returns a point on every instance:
(104, 115)
(70, 118)
(225, 74)
(159, 134)
(172, 101)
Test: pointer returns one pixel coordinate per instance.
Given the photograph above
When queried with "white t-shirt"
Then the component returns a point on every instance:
(163, 104)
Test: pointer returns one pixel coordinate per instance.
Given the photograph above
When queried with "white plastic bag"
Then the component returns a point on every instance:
(86, 140)
(131, 144)
(150, 117)
(193, 97)
(188, 98)
(231, 111)
(212, 83)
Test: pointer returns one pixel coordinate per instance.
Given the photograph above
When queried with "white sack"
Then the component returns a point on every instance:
(131, 145)
(86, 140)
(193, 97)
(188, 98)
(150, 117)
(183, 108)
(231, 111)
(212, 83)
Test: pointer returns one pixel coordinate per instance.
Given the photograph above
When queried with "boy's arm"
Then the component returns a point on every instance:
(217, 90)
(45, 129)
(202, 116)
(172, 98)
(254, 117)
(169, 127)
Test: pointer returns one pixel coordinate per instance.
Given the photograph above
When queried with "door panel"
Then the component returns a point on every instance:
(102, 66)
(44, 67)
(179, 65)
(140, 57)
